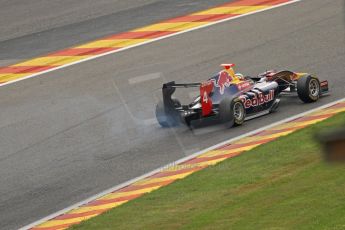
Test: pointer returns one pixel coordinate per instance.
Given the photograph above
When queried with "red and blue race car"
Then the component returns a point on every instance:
(230, 98)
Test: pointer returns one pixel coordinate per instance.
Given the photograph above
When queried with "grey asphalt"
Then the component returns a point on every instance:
(38, 27)
(72, 133)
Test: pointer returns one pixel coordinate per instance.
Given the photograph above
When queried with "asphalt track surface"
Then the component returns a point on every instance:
(40, 27)
(71, 133)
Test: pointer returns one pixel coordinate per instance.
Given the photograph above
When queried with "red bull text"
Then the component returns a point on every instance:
(260, 99)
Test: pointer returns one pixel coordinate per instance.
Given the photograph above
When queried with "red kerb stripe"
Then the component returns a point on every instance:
(24, 69)
(255, 2)
(203, 159)
(310, 118)
(108, 201)
(76, 215)
(82, 51)
(137, 187)
(55, 227)
(201, 18)
(235, 146)
(139, 35)
(172, 173)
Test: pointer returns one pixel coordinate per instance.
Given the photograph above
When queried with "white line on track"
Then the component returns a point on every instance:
(117, 187)
(143, 78)
(147, 42)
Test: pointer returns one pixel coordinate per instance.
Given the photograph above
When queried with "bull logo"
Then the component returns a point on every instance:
(224, 80)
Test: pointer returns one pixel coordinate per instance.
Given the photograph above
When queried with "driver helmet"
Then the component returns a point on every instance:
(229, 69)
(239, 76)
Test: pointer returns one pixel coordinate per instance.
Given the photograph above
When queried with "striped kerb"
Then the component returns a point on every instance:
(184, 169)
(127, 39)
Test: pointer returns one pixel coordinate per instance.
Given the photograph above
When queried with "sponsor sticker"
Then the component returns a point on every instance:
(260, 99)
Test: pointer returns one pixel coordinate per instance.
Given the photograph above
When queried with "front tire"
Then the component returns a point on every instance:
(308, 89)
(232, 112)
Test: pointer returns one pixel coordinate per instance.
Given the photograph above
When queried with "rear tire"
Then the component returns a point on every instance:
(165, 120)
(232, 112)
(308, 89)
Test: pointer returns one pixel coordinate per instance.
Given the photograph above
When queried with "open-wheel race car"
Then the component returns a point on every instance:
(230, 99)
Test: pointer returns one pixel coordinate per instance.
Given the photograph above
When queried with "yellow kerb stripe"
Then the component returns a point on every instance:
(296, 124)
(161, 179)
(96, 207)
(174, 26)
(232, 10)
(124, 194)
(12, 76)
(53, 223)
(112, 43)
(216, 153)
(196, 166)
(328, 111)
(258, 138)
(206, 163)
(51, 61)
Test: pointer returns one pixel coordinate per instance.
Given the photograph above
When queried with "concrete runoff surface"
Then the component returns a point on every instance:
(80, 130)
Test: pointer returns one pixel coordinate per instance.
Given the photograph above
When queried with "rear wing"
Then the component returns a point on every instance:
(168, 90)
(172, 84)
(205, 88)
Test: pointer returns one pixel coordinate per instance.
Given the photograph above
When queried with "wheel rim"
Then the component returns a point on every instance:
(314, 87)
(238, 111)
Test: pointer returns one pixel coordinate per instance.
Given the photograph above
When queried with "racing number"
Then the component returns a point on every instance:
(205, 97)
(206, 102)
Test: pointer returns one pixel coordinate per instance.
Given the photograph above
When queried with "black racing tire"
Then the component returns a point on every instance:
(165, 120)
(232, 112)
(308, 89)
